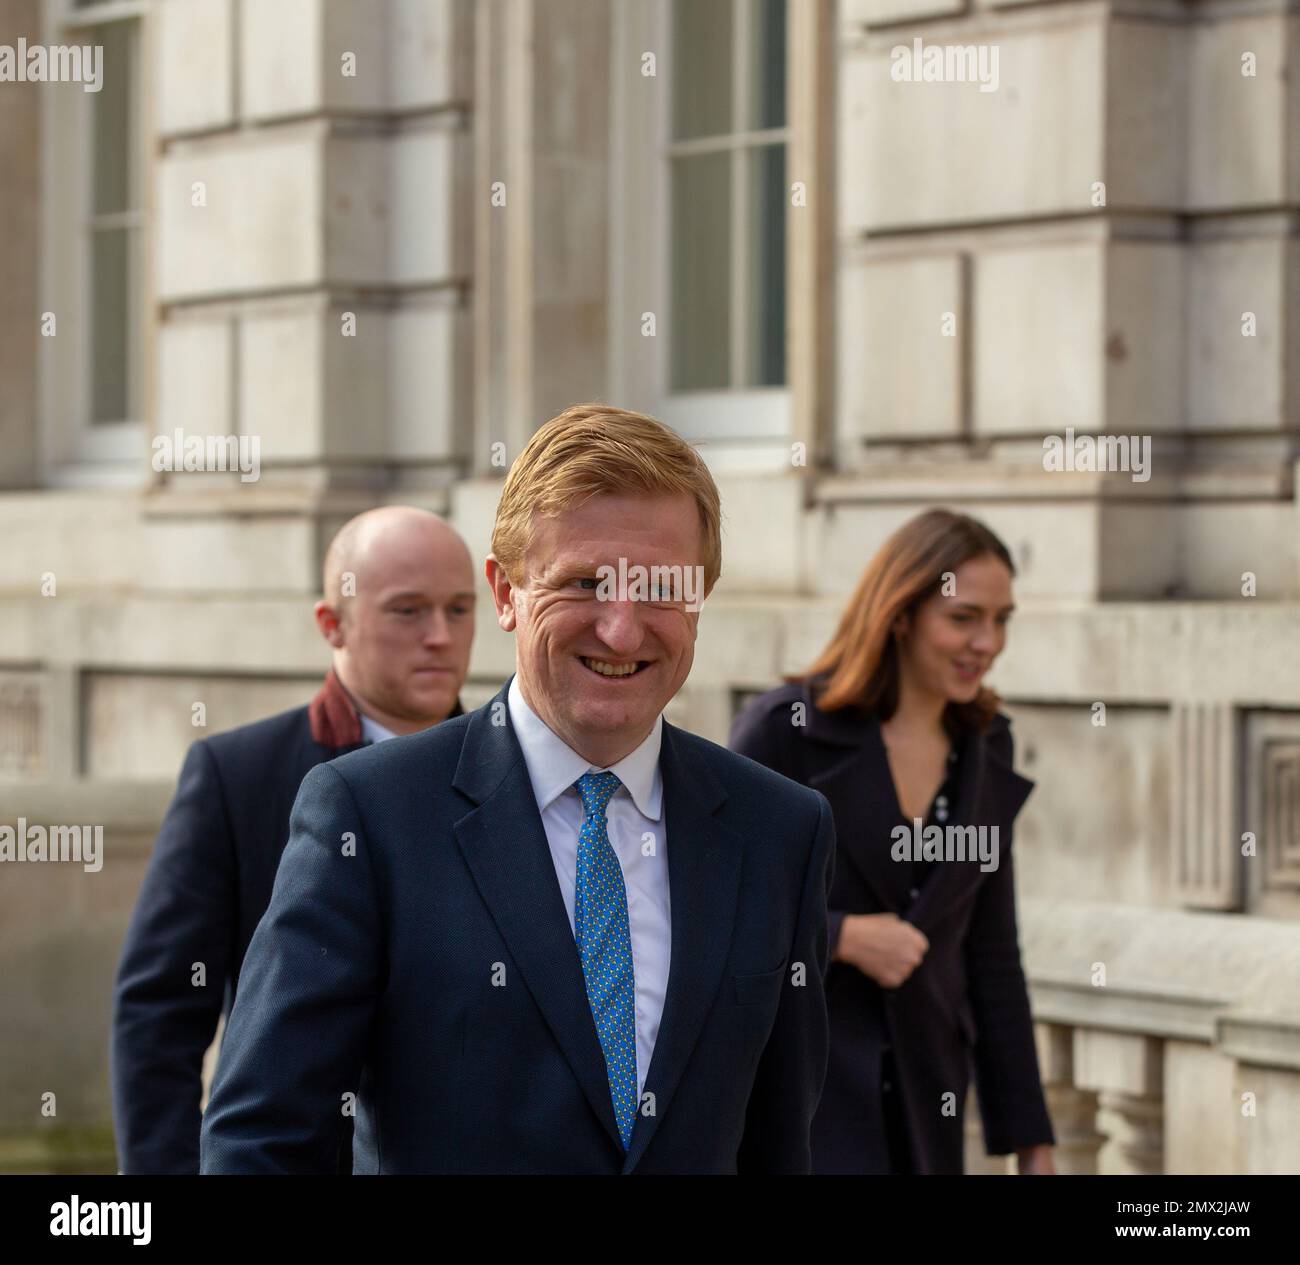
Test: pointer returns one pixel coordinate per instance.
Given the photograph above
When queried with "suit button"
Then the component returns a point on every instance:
(914, 893)
(885, 1086)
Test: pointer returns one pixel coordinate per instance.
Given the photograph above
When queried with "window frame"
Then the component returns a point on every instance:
(641, 238)
(75, 450)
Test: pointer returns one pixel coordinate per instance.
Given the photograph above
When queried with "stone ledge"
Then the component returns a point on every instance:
(128, 807)
(1062, 652)
(1230, 980)
(1260, 1041)
(1146, 1011)
(950, 481)
(335, 504)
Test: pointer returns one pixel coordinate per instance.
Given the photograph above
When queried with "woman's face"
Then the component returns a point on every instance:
(955, 636)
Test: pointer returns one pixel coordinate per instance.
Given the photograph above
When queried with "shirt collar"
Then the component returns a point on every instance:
(373, 730)
(554, 766)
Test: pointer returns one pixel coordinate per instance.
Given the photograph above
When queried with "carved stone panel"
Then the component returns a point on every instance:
(1273, 813)
(21, 747)
(1206, 838)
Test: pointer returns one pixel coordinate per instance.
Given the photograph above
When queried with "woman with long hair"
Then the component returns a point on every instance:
(893, 725)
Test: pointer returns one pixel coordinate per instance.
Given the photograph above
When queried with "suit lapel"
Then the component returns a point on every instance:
(704, 862)
(505, 847)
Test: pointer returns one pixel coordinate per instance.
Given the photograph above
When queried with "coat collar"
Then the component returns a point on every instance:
(505, 847)
(859, 784)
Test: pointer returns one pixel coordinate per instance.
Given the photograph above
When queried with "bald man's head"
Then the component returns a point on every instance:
(399, 612)
(388, 528)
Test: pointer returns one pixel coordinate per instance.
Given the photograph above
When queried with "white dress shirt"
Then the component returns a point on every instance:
(374, 731)
(636, 830)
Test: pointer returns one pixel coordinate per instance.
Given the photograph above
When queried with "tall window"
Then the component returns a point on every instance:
(703, 156)
(727, 168)
(113, 227)
(95, 254)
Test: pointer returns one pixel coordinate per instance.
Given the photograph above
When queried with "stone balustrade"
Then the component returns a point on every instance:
(1169, 1041)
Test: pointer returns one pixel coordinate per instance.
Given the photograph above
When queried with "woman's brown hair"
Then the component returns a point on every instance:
(859, 668)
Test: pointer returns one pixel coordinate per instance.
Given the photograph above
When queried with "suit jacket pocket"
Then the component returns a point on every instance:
(754, 990)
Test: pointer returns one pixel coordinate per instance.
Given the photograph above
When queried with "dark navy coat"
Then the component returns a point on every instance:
(207, 886)
(967, 1000)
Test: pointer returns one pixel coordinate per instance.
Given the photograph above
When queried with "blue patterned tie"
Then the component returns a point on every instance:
(605, 946)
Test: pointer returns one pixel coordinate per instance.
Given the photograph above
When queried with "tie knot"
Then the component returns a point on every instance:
(597, 789)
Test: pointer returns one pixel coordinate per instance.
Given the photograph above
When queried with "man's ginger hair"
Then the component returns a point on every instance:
(593, 450)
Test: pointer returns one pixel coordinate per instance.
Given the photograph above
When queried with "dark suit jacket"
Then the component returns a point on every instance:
(434, 974)
(208, 884)
(968, 992)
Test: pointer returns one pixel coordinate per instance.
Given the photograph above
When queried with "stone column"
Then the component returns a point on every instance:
(811, 272)
(1074, 1120)
(312, 244)
(1125, 1071)
(540, 207)
(1073, 1110)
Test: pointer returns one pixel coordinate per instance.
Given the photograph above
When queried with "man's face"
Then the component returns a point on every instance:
(408, 632)
(568, 639)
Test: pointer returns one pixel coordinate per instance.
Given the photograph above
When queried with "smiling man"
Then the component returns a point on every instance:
(558, 935)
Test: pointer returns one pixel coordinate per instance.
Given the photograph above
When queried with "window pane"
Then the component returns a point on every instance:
(111, 113)
(110, 251)
(765, 318)
(702, 59)
(701, 280)
(765, 91)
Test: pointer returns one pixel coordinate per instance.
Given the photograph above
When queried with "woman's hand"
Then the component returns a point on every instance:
(1036, 1160)
(882, 946)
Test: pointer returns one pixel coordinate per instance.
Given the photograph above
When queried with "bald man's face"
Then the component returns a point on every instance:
(402, 643)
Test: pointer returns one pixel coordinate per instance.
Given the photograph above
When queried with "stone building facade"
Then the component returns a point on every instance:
(387, 238)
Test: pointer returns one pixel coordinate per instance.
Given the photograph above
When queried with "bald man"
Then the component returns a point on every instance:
(398, 614)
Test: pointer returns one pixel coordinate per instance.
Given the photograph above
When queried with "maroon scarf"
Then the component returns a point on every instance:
(335, 721)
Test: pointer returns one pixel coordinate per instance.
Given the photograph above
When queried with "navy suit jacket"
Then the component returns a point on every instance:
(208, 884)
(416, 965)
